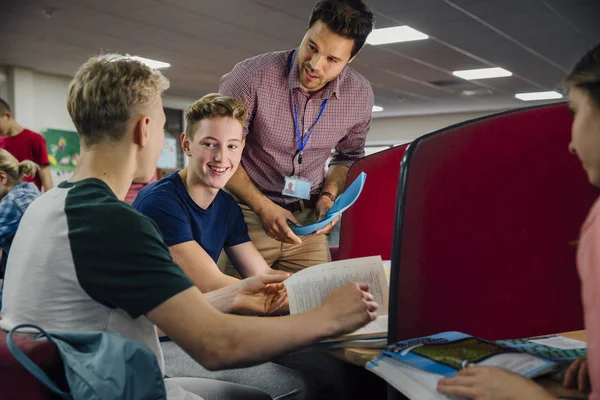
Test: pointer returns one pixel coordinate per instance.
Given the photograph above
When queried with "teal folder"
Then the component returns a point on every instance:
(342, 204)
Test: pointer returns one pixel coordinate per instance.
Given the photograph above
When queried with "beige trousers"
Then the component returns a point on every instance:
(286, 257)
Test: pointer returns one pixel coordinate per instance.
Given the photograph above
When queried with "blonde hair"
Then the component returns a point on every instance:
(106, 92)
(14, 169)
(214, 105)
(586, 74)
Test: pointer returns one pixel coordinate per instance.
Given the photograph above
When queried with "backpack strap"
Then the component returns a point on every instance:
(29, 365)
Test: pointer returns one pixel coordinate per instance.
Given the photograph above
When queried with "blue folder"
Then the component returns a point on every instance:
(343, 202)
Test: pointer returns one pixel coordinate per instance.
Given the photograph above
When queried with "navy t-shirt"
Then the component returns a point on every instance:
(181, 220)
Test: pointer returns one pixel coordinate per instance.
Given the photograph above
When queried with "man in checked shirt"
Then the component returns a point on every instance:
(302, 104)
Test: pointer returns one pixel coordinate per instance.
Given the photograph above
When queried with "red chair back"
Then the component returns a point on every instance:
(368, 226)
(16, 383)
(488, 213)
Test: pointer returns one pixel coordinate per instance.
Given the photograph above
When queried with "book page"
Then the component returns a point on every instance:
(309, 288)
(380, 325)
(560, 342)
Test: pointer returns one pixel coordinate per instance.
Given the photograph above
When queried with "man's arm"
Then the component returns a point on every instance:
(335, 182)
(218, 340)
(273, 217)
(45, 177)
(247, 260)
(40, 157)
(348, 151)
(200, 267)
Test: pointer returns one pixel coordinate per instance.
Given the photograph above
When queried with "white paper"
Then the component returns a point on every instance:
(379, 325)
(412, 382)
(309, 288)
(518, 363)
(561, 342)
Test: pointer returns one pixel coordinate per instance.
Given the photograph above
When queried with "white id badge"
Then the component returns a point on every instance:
(296, 186)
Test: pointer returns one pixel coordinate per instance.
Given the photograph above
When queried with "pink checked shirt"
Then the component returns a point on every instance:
(266, 85)
(588, 264)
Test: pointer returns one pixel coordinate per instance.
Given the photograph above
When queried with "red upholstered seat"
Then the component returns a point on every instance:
(368, 226)
(488, 213)
(16, 383)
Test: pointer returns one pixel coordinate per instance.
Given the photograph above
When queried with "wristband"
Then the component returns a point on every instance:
(329, 196)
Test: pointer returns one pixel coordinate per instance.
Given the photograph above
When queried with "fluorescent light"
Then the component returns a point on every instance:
(483, 73)
(154, 64)
(538, 96)
(377, 108)
(395, 34)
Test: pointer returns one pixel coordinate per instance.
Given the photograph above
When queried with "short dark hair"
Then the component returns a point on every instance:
(348, 18)
(4, 107)
(586, 74)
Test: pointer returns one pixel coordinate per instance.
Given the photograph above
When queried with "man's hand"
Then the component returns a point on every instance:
(261, 295)
(490, 383)
(350, 307)
(323, 205)
(577, 376)
(274, 221)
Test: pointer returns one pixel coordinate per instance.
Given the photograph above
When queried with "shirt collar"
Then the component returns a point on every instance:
(293, 80)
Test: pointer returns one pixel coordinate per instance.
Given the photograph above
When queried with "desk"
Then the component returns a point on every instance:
(361, 357)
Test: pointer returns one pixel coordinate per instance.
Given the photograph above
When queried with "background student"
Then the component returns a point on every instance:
(25, 145)
(15, 197)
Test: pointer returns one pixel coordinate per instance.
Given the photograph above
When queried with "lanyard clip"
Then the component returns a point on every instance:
(300, 157)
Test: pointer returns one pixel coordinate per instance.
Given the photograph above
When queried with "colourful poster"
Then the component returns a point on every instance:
(63, 149)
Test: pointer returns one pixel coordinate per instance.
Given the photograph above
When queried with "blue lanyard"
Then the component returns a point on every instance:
(302, 142)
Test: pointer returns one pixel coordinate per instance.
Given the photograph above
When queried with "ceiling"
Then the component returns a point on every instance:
(537, 40)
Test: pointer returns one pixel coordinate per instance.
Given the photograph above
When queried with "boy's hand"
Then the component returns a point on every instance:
(349, 308)
(261, 294)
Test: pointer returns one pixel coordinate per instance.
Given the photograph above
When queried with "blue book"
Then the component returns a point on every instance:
(414, 366)
(342, 203)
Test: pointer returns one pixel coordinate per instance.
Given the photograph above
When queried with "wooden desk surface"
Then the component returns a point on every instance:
(361, 357)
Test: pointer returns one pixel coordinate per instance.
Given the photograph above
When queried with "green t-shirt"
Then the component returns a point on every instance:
(84, 260)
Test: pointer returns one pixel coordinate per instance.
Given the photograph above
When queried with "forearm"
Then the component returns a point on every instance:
(335, 182)
(218, 340)
(200, 267)
(244, 189)
(46, 178)
(246, 341)
(218, 281)
(248, 260)
(208, 278)
(222, 299)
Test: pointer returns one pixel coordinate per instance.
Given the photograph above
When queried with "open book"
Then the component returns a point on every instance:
(310, 287)
(343, 202)
(414, 366)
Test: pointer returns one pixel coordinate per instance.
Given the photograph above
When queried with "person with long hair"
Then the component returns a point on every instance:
(15, 197)
(488, 383)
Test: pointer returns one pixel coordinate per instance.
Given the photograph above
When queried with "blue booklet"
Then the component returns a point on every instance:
(343, 202)
(448, 352)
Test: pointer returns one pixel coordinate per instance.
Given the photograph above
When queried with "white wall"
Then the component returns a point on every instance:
(49, 104)
(390, 131)
(40, 100)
